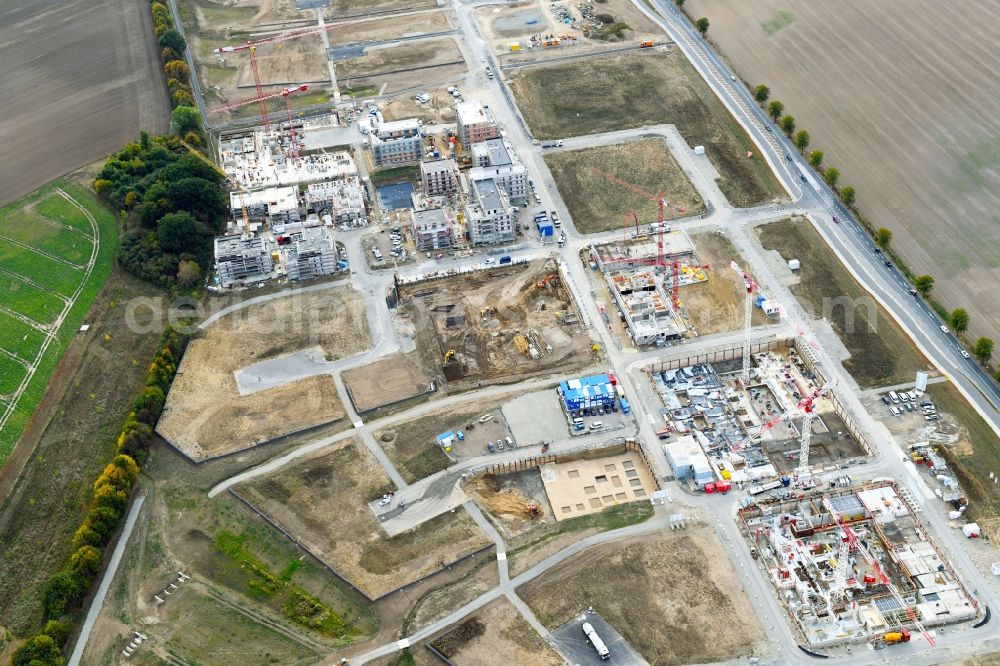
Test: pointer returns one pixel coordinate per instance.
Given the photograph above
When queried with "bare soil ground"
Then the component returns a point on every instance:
(479, 314)
(205, 415)
(391, 379)
(717, 305)
(679, 594)
(926, 170)
(627, 91)
(341, 8)
(881, 354)
(445, 599)
(113, 77)
(441, 108)
(412, 447)
(831, 444)
(497, 634)
(229, 601)
(598, 204)
(393, 65)
(66, 445)
(392, 27)
(322, 500)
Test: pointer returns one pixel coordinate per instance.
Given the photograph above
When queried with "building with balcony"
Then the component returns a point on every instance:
(489, 218)
(241, 260)
(475, 123)
(496, 159)
(439, 177)
(433, 229)
(396, 143)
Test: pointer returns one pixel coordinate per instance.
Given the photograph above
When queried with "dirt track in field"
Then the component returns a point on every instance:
(904, 99)
(80, 79)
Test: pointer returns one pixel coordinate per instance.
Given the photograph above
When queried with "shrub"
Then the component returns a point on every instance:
(62, 592)
(58, 630)
(40, 650)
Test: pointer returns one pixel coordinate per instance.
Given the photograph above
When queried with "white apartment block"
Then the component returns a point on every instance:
(439, 177)
(496, 159)
(396, 143)
(433, 229)
(343, 197)
(489, 218)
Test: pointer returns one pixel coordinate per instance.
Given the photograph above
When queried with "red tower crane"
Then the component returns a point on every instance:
(286, 93)
(251, 47)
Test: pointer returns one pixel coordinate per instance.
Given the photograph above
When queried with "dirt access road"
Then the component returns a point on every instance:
(908, 112)
(80, 80)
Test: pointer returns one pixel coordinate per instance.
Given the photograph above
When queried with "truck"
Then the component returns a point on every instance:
(896, 637)
(764, 487)
(602, 650)
(646, 44)
(505, 259)
(624, 404)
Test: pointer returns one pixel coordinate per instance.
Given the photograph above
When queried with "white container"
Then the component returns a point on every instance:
(699, 150)
(793, 264)
(971, 530)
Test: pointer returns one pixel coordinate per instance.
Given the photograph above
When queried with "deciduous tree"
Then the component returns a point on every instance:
(40, 650)
(761, 93)
(831, 175)
(171, 39)
(883, 236)
(923, 284)
(816, 159)
(847, 195)
(702, 25)
(983, 350)
(788, 124)
(185, 119)
(802, 140)
(959, 319)
(775, 109)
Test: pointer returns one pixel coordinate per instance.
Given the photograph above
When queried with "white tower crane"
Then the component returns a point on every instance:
(751, 289)
(855, 545)
(806, 404)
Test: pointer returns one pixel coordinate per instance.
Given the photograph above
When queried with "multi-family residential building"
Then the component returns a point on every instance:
(241, 260)
(396, 142)
(489, 218)
(343, 198)
(433, 229)
(273, 204)
(439, 177)
(475, 123)
(311, 254)
(496, 159)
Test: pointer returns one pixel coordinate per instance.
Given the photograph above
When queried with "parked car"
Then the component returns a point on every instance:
(490, 447)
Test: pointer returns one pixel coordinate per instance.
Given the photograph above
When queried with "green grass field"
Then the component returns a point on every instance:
(58, 228)
(60, 241)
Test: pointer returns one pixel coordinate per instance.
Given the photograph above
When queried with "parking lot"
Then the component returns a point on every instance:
(394, 243)
(902, 403)
(536, 417)
(572, 643)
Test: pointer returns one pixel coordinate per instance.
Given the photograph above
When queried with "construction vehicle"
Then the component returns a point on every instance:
(544, 282)
(596, 348)
(521, 344)
(229, 179)
(448, 355)
(602, 650)
(645, 45)
(895, 637)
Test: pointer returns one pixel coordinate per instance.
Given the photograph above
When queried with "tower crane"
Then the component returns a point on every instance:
(806, 405)
(286, 93)
(750, 285)
(661, 205)
(800, 406)
(232, 181)
(251, 47)
(855, 544)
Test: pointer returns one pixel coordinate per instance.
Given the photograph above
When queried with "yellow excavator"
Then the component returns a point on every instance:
(448, 355)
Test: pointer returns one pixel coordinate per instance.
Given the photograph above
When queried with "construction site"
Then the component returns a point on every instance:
(508, 321)
(766, 426)
(855, 566)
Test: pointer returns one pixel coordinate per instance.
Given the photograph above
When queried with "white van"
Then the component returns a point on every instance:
(510, 442)
(894, 397)
(596, 425)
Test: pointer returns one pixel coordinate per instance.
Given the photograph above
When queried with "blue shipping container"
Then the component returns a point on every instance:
(624, 404)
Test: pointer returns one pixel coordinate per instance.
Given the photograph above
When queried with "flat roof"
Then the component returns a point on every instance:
(488, 194)
(429, 218)
(437, 166)
(399, 125)
(472, 112)
(499, 155)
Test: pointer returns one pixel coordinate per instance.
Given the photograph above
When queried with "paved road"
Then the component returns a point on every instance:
(848, 238)
(109, 575)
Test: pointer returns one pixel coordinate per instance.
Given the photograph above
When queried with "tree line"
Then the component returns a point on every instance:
(64, 592)
(958, 319)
